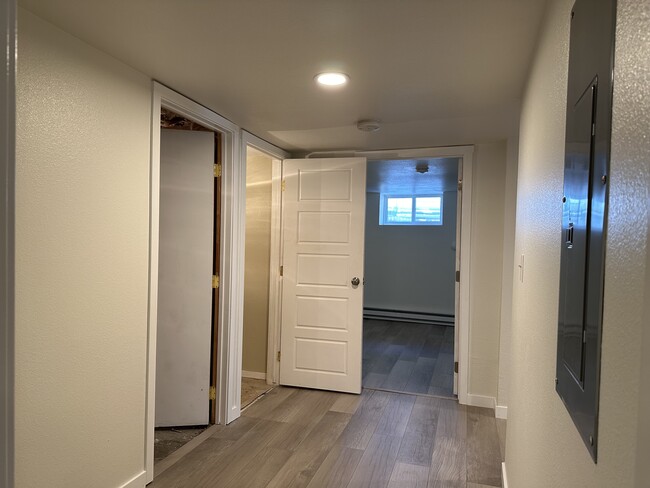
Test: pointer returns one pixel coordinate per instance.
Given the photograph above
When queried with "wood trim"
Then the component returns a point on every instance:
(504, 475)
(481, 401)
(138, 481)
(7, 233)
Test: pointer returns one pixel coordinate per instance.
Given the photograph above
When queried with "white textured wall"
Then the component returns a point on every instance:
(544, 448)
(81, 263)
(488, 199)
(257, 260)
(410, 268)
(631, 157)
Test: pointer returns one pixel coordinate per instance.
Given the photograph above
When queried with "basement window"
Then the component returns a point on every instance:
(410, 209)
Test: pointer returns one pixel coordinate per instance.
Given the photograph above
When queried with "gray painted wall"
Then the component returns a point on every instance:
(7, 184)
(410, 268)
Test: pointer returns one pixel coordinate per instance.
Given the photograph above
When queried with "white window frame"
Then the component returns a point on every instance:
(383, 208)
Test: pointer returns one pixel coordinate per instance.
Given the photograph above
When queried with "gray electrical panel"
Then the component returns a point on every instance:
(584, 212)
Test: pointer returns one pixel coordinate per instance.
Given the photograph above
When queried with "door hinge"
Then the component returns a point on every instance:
(213, 393)
(455, 366)
(281, 270)
(458, 276)
(460, 185)
(217, 171)
(279, 354)
(284, 185)
(215, 281)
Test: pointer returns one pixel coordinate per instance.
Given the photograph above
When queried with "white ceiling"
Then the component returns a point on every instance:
(398, 177)
(432, 71)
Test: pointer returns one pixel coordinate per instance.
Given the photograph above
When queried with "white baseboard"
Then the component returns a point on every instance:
(138, 481)
(481, 401)
(501, 412)
(253, 374)
(504, 475)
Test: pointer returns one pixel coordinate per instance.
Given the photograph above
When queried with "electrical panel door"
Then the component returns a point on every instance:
(584, 212)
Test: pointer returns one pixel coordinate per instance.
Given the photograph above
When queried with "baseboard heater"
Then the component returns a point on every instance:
(405, 316)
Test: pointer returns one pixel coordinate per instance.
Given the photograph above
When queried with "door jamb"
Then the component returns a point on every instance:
(275, 281)
(466, 154)
(231, 259)
(7, 237)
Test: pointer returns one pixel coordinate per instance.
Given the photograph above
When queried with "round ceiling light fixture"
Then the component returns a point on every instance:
(368, 125)
(332, 79)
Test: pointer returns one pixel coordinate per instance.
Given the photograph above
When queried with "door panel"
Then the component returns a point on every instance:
(322, 310)
(185, 278)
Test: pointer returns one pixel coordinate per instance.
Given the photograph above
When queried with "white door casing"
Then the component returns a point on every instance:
(185, 278)
(322, 310)
(459, 243)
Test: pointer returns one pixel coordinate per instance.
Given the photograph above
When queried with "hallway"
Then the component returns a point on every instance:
(309, 438)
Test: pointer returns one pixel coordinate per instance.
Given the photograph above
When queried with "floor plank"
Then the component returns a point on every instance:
(418, 439)
(310, 454)
(409, 476)
(348, 403)
(483, 451)
(421, 377)
(396, 415)
(260, 470)
(448, 463)
(376, 465)
(362, 426)
(337, 468)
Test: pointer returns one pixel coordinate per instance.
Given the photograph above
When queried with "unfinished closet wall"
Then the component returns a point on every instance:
(257, 262)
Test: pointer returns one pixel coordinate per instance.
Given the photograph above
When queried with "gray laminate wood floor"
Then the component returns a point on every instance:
(411, 358)
(309, 438)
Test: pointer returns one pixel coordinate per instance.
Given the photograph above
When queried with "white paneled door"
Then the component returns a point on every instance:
(185, 278)
(322, 289)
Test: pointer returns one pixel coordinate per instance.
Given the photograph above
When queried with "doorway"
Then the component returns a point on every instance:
(260, 337)
(453, 342)
(410, 270)
(223, 365)
(188, 271)
(259, 197)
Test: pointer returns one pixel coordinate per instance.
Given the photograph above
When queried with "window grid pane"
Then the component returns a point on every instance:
(399, 210)
(427, 209)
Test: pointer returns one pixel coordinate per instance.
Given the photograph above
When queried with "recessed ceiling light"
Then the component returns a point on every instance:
(332, 79)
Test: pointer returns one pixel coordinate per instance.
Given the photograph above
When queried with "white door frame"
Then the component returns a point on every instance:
(7, 233)
(231, 258)
(466, 155)
(275, 282)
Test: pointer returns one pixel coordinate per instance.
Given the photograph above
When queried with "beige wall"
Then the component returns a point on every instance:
(508, 271)
(81, 262)
(486, 271)
(544, 448)
(257, 261)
